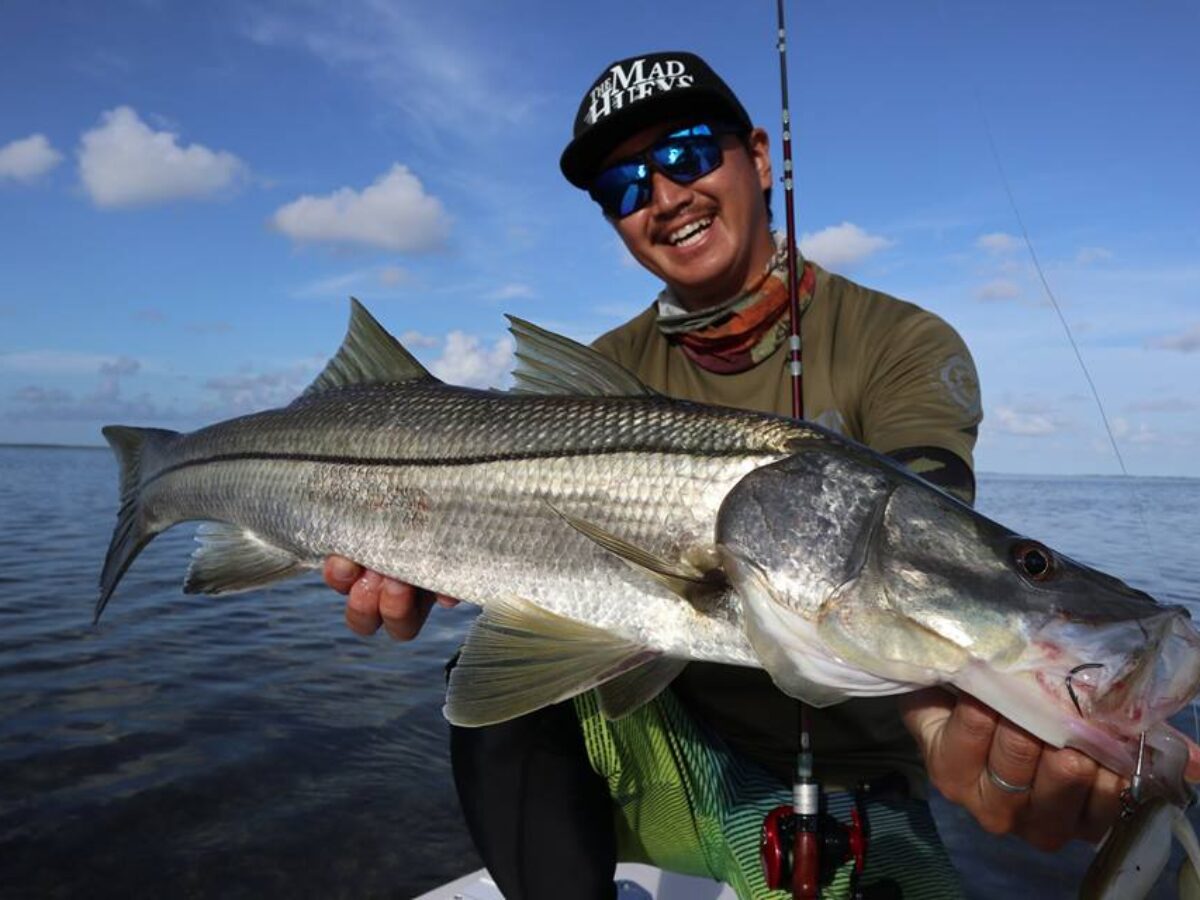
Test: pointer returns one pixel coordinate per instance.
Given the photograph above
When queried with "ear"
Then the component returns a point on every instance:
(760, 153)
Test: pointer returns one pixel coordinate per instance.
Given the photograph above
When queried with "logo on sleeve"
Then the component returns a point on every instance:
(961, 383)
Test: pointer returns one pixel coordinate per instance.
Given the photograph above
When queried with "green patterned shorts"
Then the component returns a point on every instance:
(686, 804)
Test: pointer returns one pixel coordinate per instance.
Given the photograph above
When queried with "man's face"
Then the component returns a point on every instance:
(709, 239)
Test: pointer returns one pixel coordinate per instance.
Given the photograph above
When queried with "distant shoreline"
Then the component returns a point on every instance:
(53, 446)
(1039, 475)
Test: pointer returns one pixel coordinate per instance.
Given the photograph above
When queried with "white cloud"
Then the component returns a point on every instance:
(1128, 433)
(393, 212)
(123, 162)
(466, 361)
(511, 291)
(55, 362)
(251, 391)
(841, 245)
(999, 289)
(997, 242)
(1088, 255)
(348, 284)
(1188, 342)
(1023, 424)
(440, 72)
(25, 159)
(412, 339)
(1163, 405)
(390, 276)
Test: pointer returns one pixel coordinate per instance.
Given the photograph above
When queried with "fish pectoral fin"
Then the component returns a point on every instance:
(519, 657)
(681, 577)
(368, 355)
(548, 363)
(231, 559)
(637, 687)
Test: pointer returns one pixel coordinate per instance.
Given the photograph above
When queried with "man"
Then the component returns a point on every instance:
(669, 153)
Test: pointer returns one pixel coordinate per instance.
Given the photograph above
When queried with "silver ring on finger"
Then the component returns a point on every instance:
(1007, 786)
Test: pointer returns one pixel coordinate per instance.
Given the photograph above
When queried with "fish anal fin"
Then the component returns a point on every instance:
(639, 686)
(231, 559)
(368, 355)
(684, 577)
(519, 657)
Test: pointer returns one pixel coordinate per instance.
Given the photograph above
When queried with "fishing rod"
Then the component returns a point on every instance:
(795, 365)
(802, 847)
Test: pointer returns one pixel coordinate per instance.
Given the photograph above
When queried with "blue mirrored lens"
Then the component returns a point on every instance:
(623, 189)
(683, 156)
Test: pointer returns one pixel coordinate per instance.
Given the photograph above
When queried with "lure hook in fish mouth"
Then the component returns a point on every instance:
(1071, 687)
(1132, 795)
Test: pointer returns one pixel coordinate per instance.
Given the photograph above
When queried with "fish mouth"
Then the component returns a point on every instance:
(1156, 681)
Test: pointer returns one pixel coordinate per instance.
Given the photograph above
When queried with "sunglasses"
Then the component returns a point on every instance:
(683, 156)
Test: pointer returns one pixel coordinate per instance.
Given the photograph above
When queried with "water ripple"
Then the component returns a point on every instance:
(252, 746)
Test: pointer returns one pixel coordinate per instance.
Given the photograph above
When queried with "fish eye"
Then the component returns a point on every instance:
(1034, 560)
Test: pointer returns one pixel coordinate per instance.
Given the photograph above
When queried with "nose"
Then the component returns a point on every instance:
(666, 196)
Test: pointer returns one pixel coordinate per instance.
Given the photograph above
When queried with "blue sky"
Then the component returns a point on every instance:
(189, 192)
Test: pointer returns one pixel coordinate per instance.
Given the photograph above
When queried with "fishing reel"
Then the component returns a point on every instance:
(803, 847)
(803, 852)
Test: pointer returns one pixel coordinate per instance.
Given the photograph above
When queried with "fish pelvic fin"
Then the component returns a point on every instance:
(548, 363)
(368, 355)
(638, 686)
(136, 450)
(519, 657)
(232, 559)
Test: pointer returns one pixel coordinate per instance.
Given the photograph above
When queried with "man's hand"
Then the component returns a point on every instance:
(1069, 794)
(373, 600)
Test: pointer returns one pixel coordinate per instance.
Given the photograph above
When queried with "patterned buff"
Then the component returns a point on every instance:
(744, 330)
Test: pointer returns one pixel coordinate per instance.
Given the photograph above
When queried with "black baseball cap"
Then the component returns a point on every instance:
(637, 92)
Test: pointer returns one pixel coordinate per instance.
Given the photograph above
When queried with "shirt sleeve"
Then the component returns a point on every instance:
(922, 389)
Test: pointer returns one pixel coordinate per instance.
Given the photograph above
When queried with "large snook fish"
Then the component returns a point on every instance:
(611, 534)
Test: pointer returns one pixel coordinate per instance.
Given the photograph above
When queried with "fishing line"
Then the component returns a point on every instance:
(1012, 201)
(1134, 493)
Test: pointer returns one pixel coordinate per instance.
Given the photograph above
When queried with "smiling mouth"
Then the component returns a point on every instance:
(689, 233)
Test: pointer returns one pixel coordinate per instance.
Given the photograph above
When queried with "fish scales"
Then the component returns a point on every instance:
(471, 518)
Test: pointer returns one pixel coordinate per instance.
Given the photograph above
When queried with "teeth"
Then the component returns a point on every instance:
(689, 233)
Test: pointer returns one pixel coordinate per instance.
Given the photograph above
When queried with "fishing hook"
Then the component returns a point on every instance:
(1071, 687)
(1132, 795)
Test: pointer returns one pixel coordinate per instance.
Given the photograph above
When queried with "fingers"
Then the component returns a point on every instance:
(958, 760)
(373, 601)
(404, 608)
(1069, 795)
(1006, 782)
(362, 604)
(341, 573)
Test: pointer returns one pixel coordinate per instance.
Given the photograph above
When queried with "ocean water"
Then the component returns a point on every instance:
(252, 746)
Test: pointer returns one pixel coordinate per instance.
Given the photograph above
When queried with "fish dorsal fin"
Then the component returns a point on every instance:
(639, 686)
(519, 657)
(681, 577)
(368, 355)
(548, 363)
(231, 559)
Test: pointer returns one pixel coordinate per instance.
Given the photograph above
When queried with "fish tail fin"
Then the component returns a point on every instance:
(136, 450)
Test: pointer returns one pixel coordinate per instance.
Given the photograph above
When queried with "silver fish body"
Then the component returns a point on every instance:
(464, 492)
(611, 534)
